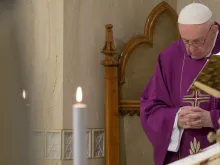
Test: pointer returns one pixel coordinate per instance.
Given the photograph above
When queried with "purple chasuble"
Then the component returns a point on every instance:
(166, 93)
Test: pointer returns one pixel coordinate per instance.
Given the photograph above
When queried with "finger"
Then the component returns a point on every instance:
(186, 120)
(195, 109)
(186, 107)
(185, 111)
(196, 123)
(193, 115)
(191, 109)
(190, 113)
(191, 118)
(190, 125)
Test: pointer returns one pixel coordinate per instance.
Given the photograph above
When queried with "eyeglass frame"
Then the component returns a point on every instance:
(200, 44)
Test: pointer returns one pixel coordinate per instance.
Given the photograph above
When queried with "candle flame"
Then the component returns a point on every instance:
(24, 94)
(79, 94)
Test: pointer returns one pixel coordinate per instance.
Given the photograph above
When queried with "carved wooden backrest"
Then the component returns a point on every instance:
(125, 78)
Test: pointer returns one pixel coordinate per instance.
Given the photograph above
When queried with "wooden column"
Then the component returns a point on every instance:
(111, 100)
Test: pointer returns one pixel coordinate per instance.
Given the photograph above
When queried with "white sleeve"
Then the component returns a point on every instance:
(176, 136)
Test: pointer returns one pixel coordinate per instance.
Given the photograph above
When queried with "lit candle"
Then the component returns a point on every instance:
(79, 125)
(24, 94)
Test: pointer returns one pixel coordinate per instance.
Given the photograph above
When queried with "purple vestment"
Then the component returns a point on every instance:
(166, 93)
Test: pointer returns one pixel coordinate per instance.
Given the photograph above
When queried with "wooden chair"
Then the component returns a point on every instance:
(125, 79)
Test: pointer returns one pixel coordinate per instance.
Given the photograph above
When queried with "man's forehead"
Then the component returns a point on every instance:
(192, 32)
(194, 27)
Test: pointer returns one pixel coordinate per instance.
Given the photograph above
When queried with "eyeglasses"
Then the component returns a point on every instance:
(196, 43)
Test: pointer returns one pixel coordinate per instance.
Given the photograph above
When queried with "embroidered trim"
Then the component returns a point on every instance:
(194, 147)
(196, 98)
(181, 77)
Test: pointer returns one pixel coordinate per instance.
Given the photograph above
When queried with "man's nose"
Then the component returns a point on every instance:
(192, 48)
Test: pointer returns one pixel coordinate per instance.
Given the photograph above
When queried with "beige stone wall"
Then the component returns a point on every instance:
(143, 59)
(39, 27)
(13, 112)
(40, 31)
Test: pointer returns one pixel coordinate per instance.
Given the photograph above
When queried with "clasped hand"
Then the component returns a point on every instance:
(194, 118)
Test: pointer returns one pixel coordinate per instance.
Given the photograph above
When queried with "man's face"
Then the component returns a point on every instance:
(197, 39)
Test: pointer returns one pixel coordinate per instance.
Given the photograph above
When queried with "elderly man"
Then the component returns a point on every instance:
(175, 121)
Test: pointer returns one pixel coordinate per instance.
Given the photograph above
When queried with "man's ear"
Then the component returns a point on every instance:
(212, 32)
(214, 28)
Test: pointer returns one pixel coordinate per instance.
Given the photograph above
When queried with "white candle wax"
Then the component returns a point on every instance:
(79, 126)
